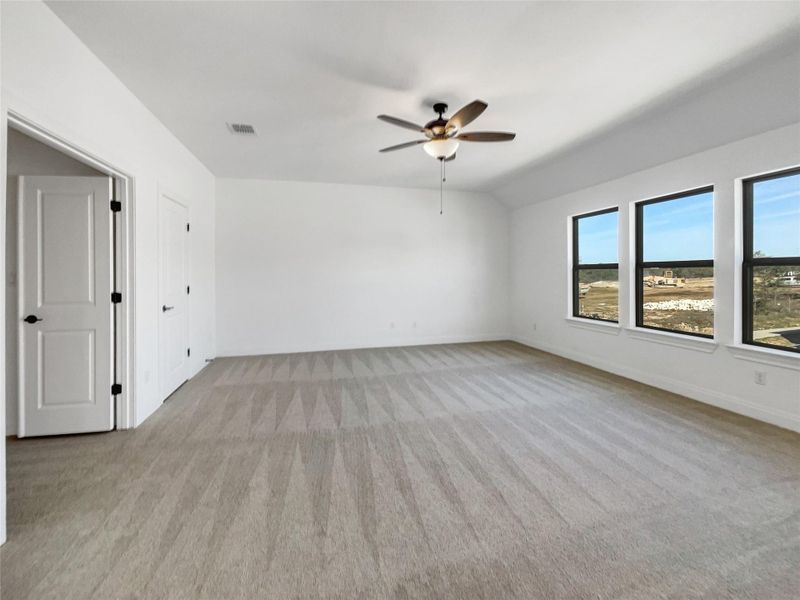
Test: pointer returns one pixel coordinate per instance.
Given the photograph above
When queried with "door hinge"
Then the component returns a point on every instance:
(187, 227)
(187, 289)
(188, 352)
(116, 389)
(116, 297)
(116, 206)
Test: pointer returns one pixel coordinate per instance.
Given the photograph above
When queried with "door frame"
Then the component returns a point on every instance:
(125, 406)
(165, 193)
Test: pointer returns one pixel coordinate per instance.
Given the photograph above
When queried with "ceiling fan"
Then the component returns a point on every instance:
(444, 135)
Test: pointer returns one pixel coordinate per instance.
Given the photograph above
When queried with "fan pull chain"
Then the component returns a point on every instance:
(442, 179)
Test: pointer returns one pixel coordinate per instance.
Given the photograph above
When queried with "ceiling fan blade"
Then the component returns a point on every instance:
(401, 123)
(486, 136)
(467, 115)
(401, 146)
(451, 157)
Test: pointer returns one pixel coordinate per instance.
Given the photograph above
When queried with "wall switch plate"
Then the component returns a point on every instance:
(761, 378)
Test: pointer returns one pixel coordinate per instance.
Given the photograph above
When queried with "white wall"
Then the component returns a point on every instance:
(539, 284)
(60, 85)
(26, 156)
(3, 147)
(52, 79)
(309, 266)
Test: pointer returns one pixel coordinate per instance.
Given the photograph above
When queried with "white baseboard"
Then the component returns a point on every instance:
(361, 344)
(690, 390)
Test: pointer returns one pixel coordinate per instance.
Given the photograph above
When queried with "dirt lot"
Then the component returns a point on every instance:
(777, 310)
(695, 321)
(601, 301)
(690, 308)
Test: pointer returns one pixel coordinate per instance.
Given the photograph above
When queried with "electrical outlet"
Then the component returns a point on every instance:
(761, 378)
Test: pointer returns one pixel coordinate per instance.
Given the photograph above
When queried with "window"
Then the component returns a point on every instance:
(771, 269)
(595, 271)
(674, 263)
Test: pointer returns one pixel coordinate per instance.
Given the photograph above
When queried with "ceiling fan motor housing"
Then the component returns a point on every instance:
(438, 126)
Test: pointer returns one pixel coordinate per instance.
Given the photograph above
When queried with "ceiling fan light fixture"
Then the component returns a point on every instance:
(441, 148)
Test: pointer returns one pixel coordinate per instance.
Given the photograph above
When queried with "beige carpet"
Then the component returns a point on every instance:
(460, 471)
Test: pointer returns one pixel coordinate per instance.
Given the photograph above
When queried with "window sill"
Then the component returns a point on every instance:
(766, 356)
(677, 340)
(594, 325)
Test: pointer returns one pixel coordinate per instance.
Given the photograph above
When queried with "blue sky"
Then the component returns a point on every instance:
(597, 237)
(776, 216)
(675, 230)
(681, 229)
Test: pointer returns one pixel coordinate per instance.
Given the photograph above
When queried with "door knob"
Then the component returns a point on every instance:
(165, 308)
(32, 319)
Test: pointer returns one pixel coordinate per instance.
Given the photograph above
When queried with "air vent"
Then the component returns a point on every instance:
(242, 129)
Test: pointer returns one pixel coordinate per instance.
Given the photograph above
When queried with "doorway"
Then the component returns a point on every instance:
(173, 329)
(67, 317)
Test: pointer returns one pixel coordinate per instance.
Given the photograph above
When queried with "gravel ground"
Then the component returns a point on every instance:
(702, 305)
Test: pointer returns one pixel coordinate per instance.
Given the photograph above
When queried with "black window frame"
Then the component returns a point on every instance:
(577, 266)
(641, 265)
(750, 262)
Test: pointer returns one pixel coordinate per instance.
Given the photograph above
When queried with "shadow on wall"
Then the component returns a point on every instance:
(710, 111)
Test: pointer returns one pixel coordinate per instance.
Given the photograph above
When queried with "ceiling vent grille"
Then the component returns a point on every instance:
(241, 129)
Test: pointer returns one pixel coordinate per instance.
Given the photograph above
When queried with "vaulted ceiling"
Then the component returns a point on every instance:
(580, 83)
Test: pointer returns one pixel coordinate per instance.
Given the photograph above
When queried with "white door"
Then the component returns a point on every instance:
(173, 331)
(66, 348)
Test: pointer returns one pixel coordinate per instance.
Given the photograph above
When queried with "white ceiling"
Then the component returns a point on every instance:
(311, 77)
